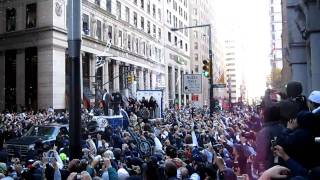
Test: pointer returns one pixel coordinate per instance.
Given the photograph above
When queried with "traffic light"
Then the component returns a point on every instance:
(205, 68)
(130, 79)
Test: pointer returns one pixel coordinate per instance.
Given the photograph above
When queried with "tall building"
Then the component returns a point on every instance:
(177, 50)
(199, 44)
(301, 47)
(119, 38)
(232, 70)
(276, 31)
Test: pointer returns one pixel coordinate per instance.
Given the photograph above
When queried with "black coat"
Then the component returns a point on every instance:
(299, 144)
(263, 143)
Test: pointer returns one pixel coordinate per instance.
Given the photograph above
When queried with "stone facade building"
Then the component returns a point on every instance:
(301, 48)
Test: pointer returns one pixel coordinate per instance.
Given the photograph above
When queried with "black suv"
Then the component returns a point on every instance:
(47, 133)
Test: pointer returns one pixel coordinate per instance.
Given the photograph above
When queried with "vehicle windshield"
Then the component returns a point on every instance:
(40, 131)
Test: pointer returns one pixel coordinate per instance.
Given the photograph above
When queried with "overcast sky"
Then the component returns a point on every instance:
(248, 22)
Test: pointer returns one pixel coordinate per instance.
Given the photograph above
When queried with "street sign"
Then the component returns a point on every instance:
(219, 85)
(192, 83)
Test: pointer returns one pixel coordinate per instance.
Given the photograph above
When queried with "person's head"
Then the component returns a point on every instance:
(122, 174)
(272, 113)
(294, 89)
(184, 173)
(171, 151)
(314, 100)
(238, 151)
(74, 166)
(170, 169)
(288, 110)
(150, 170)
(108, 154)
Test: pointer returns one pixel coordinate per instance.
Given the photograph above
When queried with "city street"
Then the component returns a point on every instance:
(159, 89)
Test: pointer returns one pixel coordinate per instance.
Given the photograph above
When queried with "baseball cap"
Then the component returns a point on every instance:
(314, 97)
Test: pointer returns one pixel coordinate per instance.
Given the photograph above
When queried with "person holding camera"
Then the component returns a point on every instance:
(271, 128)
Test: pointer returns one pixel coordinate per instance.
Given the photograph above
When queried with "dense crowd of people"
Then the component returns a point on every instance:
(277, 140)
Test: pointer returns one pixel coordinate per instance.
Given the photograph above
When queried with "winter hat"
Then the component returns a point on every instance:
(315, 97)
(122, 174)
(293, 89)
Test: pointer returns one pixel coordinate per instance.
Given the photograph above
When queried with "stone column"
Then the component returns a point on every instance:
(173, 84)
(154, 80)
(2, 80)
(184, 95)
(141, 79)
(20, 77)
(134, 82)
(315, 61)
(92, 72)
(105, 78)
(147, 79)
(166, 89)
(297, 47)
(179, 86)
(313, 26)
(59, 74)
(116, 84)
(51, 77)
(20, 17)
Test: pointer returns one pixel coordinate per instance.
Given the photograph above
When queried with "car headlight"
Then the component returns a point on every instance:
(31, 147)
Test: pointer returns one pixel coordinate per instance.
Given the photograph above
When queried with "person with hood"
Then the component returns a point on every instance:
(294, 93)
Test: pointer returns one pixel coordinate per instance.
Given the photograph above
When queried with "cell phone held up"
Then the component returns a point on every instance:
(273, 145)
(273, 142)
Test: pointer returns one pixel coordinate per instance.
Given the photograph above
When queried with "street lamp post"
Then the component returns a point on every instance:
(74, 45)
(210, 62)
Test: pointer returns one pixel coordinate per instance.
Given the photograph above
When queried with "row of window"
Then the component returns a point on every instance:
(175, 22)
(148, 8)
(127, 15)
(108, 4)
(229, 59)
(177, 42)
(230, 64)
(144, 24)
(119, 37)
(174, 3)
(175, 18)
(31, 17)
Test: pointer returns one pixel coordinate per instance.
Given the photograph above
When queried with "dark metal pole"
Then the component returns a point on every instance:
(210, 72)
(74, 45)
(229, 92)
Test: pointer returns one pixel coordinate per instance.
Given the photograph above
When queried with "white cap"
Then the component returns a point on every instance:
(108, 154)
(315, 97)
(123, 174)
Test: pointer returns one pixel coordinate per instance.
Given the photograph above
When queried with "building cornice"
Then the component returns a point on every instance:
(177, 51)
